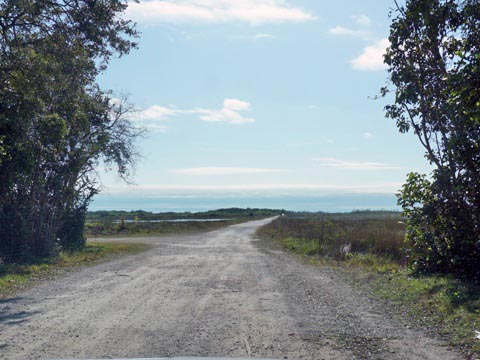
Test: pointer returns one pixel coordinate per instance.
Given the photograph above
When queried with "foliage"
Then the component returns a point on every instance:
(434, 66)
(70, 234)
(56, 125)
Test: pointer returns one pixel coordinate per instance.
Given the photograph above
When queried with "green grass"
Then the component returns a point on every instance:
(299, 247)
(448, 306)
(14, 277)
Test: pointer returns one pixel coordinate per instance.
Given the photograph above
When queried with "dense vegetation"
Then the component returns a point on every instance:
(434, 68)
(56, 124)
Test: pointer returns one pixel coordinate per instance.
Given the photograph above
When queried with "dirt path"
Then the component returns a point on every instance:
(211, 294)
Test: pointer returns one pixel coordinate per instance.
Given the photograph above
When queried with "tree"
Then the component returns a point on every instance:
(434, 67)
(56, 124)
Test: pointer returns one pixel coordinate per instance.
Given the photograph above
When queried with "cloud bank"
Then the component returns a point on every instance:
(252, 12)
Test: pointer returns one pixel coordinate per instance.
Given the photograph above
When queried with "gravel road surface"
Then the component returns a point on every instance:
(209, 294)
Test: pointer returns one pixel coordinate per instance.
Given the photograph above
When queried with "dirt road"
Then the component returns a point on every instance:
(211, 294)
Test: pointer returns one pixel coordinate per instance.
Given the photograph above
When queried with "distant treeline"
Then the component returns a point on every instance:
(140, 215)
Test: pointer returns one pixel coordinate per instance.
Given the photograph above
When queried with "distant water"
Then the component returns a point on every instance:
(328, 203)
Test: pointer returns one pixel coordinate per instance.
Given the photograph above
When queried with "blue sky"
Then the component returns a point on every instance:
(261, 96)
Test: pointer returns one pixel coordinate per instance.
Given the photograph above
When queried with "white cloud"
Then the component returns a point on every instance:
(263, 36)
(343, 31)
(231, 112)
(362, 20)
(368, 136)
(353, 165)
(236, 105)
(372, 57)
(253, 12)
(213, 171)
(157, 112)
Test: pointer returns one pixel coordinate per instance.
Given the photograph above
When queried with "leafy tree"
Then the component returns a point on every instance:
(434, 67)
(56, 124)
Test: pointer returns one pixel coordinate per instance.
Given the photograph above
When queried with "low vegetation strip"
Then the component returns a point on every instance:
(140, 215)
(16, 277)
(370, 247)
(140, 223)
(122, 229)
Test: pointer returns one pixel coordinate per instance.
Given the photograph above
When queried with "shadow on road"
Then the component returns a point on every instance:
(8, 317)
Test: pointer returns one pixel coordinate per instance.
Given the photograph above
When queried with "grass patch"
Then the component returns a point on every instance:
(15, 277)
(369, 250)
(299, 247)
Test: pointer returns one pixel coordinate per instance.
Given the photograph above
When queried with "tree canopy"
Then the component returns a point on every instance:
(56, 124)
(434, 69)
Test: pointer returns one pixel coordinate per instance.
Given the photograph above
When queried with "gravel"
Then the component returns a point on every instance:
(211, 294)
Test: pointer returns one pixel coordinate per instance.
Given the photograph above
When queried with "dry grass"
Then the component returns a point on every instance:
(338, 235)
